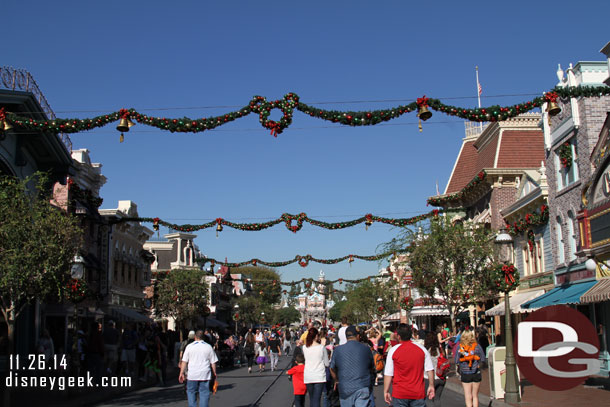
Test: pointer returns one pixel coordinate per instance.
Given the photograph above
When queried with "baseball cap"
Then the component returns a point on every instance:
(351, 331)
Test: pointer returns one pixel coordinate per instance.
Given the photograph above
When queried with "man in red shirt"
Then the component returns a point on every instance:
(403, 372)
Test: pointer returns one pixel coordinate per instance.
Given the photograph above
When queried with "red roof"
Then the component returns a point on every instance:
(518, 149)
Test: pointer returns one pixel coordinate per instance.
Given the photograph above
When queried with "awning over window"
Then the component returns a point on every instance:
(429, 310)
(127, 315)
(392, 317)
(566, 294)
(598, 293)
(515, 303)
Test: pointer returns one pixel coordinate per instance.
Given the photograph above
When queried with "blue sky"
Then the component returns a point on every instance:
(184, 58)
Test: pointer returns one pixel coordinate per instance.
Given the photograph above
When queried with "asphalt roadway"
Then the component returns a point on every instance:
(237, 388)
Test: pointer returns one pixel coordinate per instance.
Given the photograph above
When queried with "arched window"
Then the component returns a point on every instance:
(561, 258)
(572, 235)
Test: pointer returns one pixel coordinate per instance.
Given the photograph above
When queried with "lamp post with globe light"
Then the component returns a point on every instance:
(77, 272)
(236, 316)
(511, 392)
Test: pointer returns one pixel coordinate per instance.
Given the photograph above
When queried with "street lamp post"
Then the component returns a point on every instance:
(236, 307)
(511, 391)
(77, 272)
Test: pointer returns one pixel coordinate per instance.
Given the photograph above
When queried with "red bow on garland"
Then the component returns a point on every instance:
(509, 274)
(423, 101)
(124, 114)
(551, 97)
(2, 114)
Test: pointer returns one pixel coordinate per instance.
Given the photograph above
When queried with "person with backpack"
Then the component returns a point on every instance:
(379, 365)
(469, 357)
(441, 364)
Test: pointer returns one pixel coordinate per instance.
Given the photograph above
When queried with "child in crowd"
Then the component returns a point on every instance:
(297, 381)
(261, 356)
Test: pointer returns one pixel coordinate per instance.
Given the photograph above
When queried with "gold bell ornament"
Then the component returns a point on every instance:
(124, 124)
(218, 226)
(422, 110)
(6, 126)
(553, 109)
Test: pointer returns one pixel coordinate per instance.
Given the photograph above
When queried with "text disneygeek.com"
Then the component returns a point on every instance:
(16, 380)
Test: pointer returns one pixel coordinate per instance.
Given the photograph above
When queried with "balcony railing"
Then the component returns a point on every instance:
(20, 79)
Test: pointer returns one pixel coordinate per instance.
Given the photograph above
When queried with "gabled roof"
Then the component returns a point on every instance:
(521, 145)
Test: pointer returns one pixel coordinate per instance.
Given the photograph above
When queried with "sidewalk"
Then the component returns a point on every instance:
(594, 392)
(83, 396)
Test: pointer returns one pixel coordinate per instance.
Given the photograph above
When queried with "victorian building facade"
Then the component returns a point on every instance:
(128, 271)
(570, 138)
(496, 175)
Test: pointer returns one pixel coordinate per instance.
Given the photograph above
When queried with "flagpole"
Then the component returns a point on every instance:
(479, 94)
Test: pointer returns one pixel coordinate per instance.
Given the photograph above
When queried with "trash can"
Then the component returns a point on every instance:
(496, 356)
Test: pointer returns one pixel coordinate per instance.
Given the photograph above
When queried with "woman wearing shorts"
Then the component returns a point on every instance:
(468, 358)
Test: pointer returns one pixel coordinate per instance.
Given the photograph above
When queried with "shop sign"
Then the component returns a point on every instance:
(538, 281)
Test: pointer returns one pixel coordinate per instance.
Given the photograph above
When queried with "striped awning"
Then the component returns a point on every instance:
(598, 293)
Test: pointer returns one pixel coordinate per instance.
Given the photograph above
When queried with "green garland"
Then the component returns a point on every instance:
(83, 195)
(505, 276)
(302, 260)
(287, 105)
(565, 155)
(307, 282)
(293, 223)
(77, 290)
(440, 201)
(530, 220)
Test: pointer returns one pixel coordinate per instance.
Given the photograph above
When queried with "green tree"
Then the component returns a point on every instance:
(265, 282)
(452, 260)
(362, 300)
(286, 316)
(38, 242)
(336, 312)
(182, 294)
(250, 308)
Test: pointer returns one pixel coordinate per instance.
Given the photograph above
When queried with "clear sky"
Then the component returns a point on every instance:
(185, 58)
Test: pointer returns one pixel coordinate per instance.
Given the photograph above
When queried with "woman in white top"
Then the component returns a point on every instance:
(316, 361)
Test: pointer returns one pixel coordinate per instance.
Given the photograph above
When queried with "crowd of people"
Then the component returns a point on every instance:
(341, 368)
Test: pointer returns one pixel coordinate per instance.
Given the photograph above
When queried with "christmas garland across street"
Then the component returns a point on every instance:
(261, 106)
(307, 282)
(293, 223)
(302, 260)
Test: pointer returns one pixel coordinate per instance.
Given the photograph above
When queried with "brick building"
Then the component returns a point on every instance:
(570, 138)
(498, 165)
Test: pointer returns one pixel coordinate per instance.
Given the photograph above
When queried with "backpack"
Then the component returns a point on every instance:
(378, 359)
(442, 367)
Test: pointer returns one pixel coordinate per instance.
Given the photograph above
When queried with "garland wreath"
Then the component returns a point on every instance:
(293, 223)
(407, 303)
(77, 290)
(506, 276)
(440, 201)
(565, 155)
(259, 105)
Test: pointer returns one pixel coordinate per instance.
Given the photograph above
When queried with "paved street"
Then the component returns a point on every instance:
(237, 388)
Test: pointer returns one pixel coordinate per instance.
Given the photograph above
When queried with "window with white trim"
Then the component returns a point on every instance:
(572, 235)
(566, 175)
(561, 258)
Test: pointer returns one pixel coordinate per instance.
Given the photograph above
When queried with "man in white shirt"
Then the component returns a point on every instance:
(200, 360)
(341, 333)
